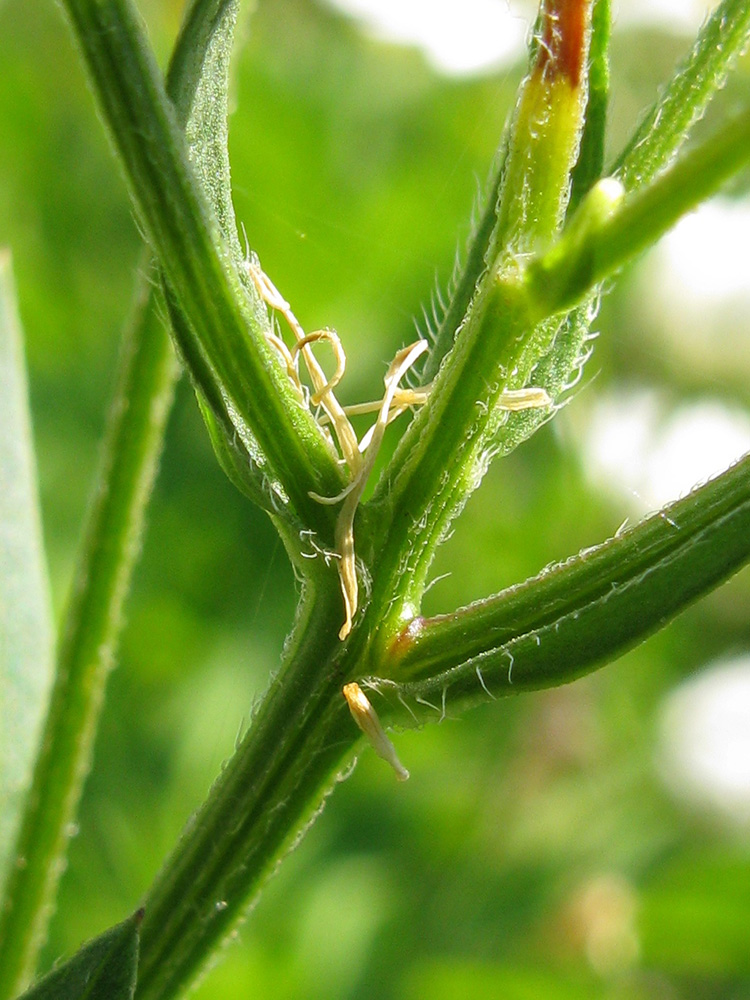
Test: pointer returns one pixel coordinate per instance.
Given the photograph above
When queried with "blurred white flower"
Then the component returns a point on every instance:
(474, 36)
(704, 752)
(636, 446)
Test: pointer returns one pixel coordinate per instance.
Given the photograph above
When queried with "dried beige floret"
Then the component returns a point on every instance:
(359, 456)
(367, 719)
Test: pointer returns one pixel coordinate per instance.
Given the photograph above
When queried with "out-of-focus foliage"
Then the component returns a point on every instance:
(25, 613)
(536, 851)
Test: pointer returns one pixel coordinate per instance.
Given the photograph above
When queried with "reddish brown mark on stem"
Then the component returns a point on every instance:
(406, 639)
(563, 41)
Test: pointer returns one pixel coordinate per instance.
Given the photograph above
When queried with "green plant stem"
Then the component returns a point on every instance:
(575, 616)
(303, 731)
(669, 121)
(86, 649)
(587, 254)
(267, 792)
(436, 476)
(228, 325)
(252, 814)
(663, 130)
(545, 632)
(445, 451)
(588, 169)
(488, 232)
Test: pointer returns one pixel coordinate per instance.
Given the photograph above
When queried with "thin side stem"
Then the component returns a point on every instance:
(87, 647)
(598, 243)
(666, 125)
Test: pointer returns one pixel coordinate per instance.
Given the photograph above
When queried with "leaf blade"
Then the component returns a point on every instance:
(104, 968)
(572, 617)
(227, 325)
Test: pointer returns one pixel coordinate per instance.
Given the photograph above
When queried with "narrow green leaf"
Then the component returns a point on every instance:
(581, 613)
(667, 124)
(26, 629)
(227, 324)
(104, 968)
(205, 55)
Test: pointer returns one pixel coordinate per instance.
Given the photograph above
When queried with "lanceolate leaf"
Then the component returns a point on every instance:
(103, 969)
(227, 326)
(26, 630)
(205, 54)
(575, 616)
(670, 120)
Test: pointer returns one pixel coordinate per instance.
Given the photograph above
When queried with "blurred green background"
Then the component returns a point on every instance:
(538, 850)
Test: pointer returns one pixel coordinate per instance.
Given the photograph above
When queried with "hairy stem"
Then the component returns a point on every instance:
(227, 323)
(581, 613)
(87, 645)
(604, 237)
(269, 790)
